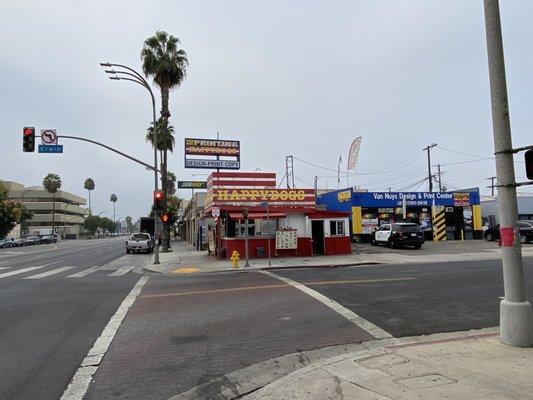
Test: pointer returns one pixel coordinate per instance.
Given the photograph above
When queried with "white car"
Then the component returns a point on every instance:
(139, 242)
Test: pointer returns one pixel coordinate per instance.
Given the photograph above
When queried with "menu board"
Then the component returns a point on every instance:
(286, 239)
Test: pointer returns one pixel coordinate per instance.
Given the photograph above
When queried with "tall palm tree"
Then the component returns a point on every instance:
(167, 65)
(165, 136)
(89, 185)
(52, 183)
(113, 198)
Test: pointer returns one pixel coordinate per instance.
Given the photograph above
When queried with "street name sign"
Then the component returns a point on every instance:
(192, 185)
(50, 148)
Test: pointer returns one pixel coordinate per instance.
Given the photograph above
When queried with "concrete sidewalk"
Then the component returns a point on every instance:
(467, 366)
(185, 259)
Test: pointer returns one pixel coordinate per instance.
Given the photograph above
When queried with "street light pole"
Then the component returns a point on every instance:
(139, 79)
(516, 313)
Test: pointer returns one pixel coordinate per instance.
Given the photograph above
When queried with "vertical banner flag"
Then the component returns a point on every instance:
(353, 155)
(339, 170)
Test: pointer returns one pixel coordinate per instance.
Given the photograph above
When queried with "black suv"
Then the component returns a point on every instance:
(525, 228)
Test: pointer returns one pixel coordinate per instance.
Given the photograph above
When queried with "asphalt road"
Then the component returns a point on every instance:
(184, 331)
(49, 321)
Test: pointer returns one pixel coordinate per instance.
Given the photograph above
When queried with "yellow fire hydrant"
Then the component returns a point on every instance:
(235, 259)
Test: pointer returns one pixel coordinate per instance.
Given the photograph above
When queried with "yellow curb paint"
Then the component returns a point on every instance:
(185, 270)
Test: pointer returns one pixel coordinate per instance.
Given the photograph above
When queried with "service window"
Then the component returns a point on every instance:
(240, 228)
(336, 228)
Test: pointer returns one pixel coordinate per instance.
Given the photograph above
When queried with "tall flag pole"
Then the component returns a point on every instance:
(353, 156)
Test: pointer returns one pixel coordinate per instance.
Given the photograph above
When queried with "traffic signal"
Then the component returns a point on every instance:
(165, 218)
(159, 197)
(529, 164)
(28, 139)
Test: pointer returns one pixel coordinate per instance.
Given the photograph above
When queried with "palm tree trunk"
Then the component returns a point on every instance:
(53, 213)
(89, 201)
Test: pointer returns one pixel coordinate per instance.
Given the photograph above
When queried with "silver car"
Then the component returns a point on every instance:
(139, 242)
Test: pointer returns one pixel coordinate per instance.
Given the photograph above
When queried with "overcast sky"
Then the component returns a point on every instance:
(283, 77)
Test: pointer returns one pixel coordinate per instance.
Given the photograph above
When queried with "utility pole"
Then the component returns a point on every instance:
(430, 180)
(316, 186)
(492, 178)
(289, 171)
(440, 180)
(516, 313)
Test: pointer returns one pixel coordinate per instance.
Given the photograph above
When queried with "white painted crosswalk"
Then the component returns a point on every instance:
(84, 272)
(62, 272)
(123, 270)
(49, 273)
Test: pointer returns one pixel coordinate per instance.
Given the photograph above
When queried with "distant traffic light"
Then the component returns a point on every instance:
(28, 139)
(165, 218)
(529, 164)
(159, 197)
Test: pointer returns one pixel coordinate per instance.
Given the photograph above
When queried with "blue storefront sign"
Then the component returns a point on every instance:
(396, 199)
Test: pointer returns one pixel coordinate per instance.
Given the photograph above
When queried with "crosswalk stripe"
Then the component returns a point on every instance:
(48, 273)
(123, 270)
(5, 267)
(22, 270)
(18, 271)
(84, 272)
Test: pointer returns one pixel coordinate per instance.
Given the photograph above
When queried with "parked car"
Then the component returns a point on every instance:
(48, 239)
(5, 243)
(398, 235)
(32, 240)
(19, 242)
(139, 242)
(525, 227)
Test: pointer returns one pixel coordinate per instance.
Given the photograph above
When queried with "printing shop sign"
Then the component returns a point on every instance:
(213, 153)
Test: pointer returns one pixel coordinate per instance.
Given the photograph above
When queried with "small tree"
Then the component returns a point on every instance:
(11, 213)
(52, 183)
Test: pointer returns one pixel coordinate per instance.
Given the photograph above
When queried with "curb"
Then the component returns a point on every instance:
(243, 382)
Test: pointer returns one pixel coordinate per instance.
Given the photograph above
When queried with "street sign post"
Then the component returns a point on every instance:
(192, 185)
(50, 148)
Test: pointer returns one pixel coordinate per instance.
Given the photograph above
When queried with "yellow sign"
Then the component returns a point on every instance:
(344, 196)
(262, 195)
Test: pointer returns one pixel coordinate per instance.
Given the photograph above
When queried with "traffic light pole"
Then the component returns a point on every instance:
(516, 313)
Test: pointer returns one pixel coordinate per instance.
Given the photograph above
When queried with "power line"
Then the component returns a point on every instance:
(460, 152)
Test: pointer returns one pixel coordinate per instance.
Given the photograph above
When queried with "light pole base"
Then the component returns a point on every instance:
(516, 323)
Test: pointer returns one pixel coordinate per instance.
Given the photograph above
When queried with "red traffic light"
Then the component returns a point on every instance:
(28, 139)
(165, 217)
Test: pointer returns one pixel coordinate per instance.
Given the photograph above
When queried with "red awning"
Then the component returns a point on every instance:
(263, 215)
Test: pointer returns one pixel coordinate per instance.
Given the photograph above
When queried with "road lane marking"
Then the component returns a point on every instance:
(3, 262)
(79, 383)
(49, 273)
(362, 323)
(276, 286)
(23, 270)
(122, 270)
(5, 267)
(84, 272)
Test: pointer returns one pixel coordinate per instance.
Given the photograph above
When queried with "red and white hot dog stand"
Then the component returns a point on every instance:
(288, 218)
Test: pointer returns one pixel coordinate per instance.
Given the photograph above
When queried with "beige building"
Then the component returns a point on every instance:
(69, 210)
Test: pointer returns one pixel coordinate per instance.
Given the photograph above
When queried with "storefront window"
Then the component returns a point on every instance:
(240, 228)
(336, 228)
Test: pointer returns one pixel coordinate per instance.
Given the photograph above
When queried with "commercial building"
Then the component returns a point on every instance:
(69, 213)
(443, 216)
(194, 224)
(490, 211)
(286, 221)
